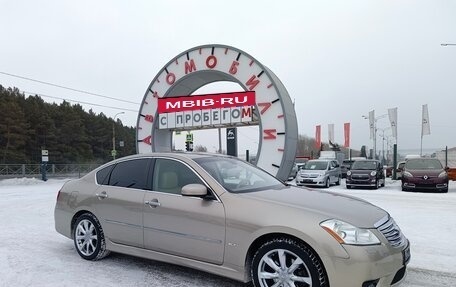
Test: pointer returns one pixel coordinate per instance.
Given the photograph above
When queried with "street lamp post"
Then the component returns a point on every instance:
(375, 131)
(114, 152)
(383, 143)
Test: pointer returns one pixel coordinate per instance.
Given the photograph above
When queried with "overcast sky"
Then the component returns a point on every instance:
(338, 59)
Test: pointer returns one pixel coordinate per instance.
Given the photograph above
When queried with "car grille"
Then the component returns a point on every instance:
(311, 175)
(392, 232)
(360, 176)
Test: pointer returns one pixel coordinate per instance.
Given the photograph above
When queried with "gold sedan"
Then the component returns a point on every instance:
(225, 216)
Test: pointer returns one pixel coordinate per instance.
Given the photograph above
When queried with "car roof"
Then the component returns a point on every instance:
(176, 155)
(322, 159)
(376, 160)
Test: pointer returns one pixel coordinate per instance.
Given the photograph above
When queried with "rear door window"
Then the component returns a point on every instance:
(103, 175)
(131, 174)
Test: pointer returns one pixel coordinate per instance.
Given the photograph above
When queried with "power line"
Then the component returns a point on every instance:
(80, 102)
(66, 88)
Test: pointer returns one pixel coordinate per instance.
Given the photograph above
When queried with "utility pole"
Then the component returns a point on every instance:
(114, 152)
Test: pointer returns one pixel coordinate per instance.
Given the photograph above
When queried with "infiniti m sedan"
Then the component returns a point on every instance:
(225, 216)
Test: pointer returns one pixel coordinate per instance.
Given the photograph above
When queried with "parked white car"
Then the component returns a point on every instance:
(319, 172)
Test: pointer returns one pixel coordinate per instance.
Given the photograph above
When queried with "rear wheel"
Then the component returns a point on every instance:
(286, 262)
(89, 238)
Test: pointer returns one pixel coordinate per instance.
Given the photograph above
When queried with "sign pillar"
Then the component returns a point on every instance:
(231, 142)
(44, 161)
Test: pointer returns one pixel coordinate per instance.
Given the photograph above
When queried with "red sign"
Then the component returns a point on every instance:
(203, 102)
(347, 134)
(317, 136)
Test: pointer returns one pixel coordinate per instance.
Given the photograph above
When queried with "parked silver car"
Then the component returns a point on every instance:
(222, 215)
(319, 172)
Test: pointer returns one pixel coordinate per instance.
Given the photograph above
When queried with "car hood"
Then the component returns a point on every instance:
(312, 171)
(329, 205)
(361, 171)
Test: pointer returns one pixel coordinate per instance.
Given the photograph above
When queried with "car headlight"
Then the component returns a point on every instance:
(373, 173)
(346, 233)
(349, 173)
(443, 174)
(406, 174)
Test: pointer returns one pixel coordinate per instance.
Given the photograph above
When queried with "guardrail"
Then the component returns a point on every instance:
(52, 170)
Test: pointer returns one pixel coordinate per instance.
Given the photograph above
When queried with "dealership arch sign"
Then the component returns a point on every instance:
(206, 64)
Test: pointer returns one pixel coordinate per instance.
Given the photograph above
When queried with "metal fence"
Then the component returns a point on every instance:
(52, 170)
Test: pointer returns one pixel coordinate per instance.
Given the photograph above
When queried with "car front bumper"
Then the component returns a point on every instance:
(380, 265)
(319, 181)
(361, 182)
(427, 186)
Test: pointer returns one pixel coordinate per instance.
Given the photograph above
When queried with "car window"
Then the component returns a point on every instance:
(170, 176)
(316, 165)
(131, 174)
(238, 176)
(103, 175)
(364, 165)
(423, 164)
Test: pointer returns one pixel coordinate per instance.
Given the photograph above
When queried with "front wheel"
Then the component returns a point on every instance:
(376, 184)
(89, 238)
(286, 262)
(328, 182)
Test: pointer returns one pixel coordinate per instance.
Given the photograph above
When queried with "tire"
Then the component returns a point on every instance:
(89, 238)
(403, 188)
(327, 183)
(282, 253)
(376, 184)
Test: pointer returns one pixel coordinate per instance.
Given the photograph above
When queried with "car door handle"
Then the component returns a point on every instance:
(153, 203)
(102, 195)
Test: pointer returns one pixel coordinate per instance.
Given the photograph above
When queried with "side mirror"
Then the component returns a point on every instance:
(194, 189)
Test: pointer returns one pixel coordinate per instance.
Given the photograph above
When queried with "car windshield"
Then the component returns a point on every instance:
(423, 164)
(316, 165)
(364, 165)
(237, 176)
(347, 163)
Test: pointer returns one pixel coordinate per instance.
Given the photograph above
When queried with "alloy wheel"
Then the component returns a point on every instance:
(86, 237)
(283, 268)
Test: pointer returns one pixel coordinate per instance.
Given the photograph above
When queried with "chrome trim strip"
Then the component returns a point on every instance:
(123, 223)
(188, 236)
(382, 221)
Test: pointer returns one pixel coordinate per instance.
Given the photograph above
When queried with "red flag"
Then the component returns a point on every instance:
(317, 136)
(347, 134)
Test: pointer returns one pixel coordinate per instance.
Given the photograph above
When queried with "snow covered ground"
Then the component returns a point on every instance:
(32, 253)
